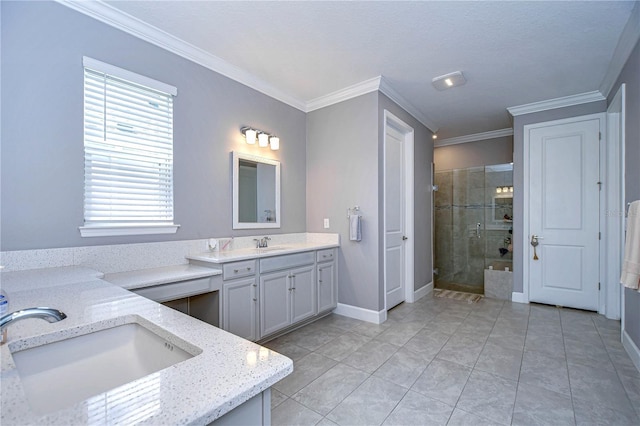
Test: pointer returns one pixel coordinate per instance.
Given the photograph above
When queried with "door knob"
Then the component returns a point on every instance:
(404, 238)
(534, 243)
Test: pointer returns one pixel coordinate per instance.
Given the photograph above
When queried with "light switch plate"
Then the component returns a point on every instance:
(326, 223)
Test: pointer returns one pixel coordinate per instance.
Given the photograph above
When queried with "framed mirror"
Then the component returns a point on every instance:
(499, 190)
(256, 192)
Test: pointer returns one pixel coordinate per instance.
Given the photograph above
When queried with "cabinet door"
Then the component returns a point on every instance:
(239, 310)
(303, 300)
(275, 302)
(327, 297)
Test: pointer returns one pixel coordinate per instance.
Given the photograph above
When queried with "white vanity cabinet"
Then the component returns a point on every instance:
(287, 291)
(327, 280)
(273, 293)
(240, 299)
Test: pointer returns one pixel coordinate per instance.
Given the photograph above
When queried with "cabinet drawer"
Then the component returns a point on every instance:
(326, 255)
(238, 269)
(285, 262)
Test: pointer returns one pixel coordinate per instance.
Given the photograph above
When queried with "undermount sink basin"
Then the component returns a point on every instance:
(59, 374)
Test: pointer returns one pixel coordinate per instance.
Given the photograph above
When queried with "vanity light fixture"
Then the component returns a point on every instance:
(447, 81)
(434, 136)
(264, 139)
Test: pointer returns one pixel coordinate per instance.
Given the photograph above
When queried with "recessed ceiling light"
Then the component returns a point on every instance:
(446, 81)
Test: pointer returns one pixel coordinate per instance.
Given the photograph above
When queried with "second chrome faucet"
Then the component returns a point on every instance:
(262, 242)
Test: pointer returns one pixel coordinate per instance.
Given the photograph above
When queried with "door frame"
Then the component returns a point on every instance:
(390, 120)
(615, 208)
(602, 302)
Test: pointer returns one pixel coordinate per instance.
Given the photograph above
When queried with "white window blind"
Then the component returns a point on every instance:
(128, 146)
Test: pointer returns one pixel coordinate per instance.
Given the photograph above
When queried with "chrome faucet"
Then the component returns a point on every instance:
(47, 314)
(262, 242)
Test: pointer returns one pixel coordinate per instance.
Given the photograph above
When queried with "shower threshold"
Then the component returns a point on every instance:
(465, 288)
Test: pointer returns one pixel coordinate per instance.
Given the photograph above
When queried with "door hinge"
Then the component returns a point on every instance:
(599, 186)
(598, 286)
(599, 136)
(599, 235)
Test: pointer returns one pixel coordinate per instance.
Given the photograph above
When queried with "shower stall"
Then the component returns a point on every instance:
(473, 225)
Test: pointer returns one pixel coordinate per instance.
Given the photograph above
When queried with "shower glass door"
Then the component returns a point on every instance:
(472, 224)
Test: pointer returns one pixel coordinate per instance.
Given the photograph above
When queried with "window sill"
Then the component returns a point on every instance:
(115, 230)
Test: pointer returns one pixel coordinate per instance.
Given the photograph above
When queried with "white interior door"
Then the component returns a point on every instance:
(564, 162)
(394, 205)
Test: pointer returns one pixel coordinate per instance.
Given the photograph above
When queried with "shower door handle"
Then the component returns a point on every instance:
(478, 230)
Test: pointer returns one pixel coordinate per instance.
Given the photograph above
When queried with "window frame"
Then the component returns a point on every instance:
(109, 228)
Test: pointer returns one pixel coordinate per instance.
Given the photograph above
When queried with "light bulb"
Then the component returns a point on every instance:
(263, 139)
(498, 190)
(250, 135)
(275, 143)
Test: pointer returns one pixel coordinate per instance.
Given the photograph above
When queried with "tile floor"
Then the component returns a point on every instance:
(440, 361)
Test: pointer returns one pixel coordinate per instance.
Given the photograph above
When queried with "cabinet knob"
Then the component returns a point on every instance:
(249, 268)
(320, 281)
(235, 271)
(255, 285)
(255, 300)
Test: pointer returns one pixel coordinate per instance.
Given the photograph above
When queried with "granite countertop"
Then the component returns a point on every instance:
(253, 253)
(156, 276)
(227, 372)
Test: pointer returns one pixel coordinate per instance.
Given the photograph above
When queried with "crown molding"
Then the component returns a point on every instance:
(581, 98)
(353, 91)
(372, 85)
(113, 17)
(628, 40)
(474, 137)
(391, 93)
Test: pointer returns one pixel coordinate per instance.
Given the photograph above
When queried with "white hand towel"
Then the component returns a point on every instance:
(631, 265)
(355, 227)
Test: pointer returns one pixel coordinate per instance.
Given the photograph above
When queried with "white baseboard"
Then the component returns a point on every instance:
(361, 313)
(422, 292)
(632, 349)
(518, 297)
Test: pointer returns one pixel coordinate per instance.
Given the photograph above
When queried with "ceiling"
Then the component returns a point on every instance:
(511, 52)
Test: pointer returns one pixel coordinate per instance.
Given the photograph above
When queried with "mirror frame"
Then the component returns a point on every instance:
(237, 156)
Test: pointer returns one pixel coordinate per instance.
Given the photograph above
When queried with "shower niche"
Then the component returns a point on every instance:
(473, 225)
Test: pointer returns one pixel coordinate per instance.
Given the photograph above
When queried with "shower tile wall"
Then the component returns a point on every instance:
(462, 248)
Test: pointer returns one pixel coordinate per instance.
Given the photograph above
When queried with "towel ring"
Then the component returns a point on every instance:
(352, 211)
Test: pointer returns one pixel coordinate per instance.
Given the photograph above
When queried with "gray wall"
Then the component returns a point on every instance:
(631, 76)
(472, 154)
(518, 176)
(342, 172)
(344, 169)
(42, 131)
(423, 204)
